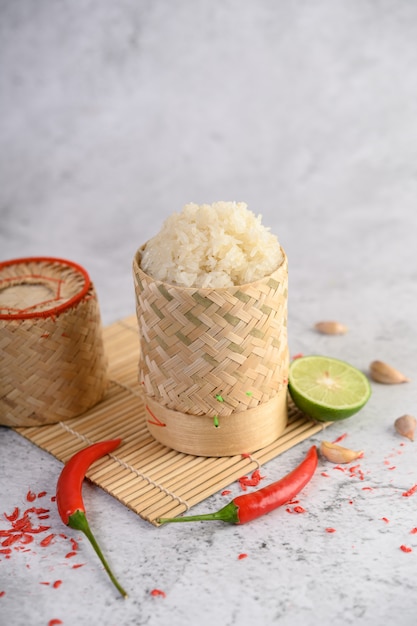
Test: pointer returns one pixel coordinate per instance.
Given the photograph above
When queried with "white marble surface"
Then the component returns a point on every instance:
(113, 115)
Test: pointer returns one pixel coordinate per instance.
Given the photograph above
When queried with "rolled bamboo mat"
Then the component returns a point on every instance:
(149, 478)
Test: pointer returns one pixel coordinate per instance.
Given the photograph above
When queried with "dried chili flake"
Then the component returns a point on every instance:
(2, 593)
(226, 492)
(241, 556)
(355, 471)
(54, 622)
(385, 519)
(30, 496)
(325, 475)
(40, 529)
(77, 565)
(74, 545)
(406, 548)
(410, 492)
(299, 509)
(44, 583)
(330, 530)
(158, 592)
(31, 509)
(69, 555)
(367, 488)
(57, 584)
(47, 540)
(340, 468)
(41, 494)
(296, 509)
(23, 523)
(340, 438)
(10, 540)
(39, 511)
(413, 531)
(13, 516)
(297, 356)
(253, 481)
(243, 483)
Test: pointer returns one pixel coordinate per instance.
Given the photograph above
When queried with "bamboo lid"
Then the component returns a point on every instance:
(52, 361)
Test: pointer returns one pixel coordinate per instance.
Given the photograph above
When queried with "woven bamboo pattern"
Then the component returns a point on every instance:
(200, 343)
(52, 360)
(213, 352)
(150, 479)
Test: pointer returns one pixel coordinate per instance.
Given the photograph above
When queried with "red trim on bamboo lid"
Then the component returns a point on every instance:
(50, 312)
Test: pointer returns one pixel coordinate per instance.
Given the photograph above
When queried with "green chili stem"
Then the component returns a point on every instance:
(78, 521)
(228, 514)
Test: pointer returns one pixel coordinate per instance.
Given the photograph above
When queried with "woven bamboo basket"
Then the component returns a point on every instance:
(214, 363)
(52, 361)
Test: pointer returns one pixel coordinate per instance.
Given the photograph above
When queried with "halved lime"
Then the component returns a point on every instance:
(327, 389)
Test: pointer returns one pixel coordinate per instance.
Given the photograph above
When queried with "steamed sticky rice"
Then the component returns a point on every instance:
(217, 245)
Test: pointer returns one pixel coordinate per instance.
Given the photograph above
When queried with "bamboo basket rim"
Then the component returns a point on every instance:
(55, 310)
(230, 289)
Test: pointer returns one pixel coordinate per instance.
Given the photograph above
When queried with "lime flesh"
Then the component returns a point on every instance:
(327, 389)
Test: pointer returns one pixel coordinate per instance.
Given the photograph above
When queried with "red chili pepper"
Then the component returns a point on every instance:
(249, 506)
(69, 495)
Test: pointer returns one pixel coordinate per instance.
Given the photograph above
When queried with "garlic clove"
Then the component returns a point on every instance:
(338, 454)
(331, 328)
(383, 373)
(405, 426)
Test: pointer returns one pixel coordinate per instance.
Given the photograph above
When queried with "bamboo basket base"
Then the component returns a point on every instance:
(149, 478)
(237, 433)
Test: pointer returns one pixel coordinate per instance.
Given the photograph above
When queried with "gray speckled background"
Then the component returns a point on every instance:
(114, 115)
